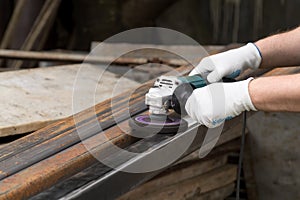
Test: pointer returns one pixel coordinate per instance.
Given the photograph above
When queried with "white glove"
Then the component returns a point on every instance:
(213, 104)
(217, 66)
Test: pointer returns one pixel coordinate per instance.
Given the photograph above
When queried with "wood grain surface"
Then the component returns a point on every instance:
(32, 99)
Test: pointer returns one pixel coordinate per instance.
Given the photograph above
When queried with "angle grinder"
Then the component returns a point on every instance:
(168, 93)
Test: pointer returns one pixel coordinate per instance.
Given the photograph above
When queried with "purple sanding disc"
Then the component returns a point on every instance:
(157, 124)
(147, 120)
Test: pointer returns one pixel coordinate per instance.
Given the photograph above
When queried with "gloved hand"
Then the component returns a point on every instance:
(213, 104)
(224, 64)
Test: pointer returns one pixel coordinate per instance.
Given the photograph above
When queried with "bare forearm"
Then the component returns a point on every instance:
(281, 49)
(278, 93)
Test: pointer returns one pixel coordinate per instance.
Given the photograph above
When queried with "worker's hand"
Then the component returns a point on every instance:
(230, 62)
(213, 104)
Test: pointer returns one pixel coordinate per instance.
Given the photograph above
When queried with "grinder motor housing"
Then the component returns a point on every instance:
(168, 92)
(171, 92)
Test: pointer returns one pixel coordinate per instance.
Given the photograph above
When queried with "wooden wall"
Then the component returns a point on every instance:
(209, 22)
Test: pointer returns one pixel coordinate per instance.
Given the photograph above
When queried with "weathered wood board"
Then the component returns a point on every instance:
(31, 99)
(198, 185)
(175, 177)
(187, 168)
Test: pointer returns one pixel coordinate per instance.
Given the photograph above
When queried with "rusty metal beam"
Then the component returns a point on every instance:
(113, 180)
(48, 172)
(98, 177)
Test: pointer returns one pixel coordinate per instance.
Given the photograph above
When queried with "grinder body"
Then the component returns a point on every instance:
(171, 92)
(168, 93)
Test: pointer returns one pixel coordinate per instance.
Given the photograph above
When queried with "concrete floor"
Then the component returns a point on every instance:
(275, 149)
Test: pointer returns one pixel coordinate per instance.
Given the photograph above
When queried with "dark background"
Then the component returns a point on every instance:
(78, 22)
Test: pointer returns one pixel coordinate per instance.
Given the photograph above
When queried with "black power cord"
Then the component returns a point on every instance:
(238, 182)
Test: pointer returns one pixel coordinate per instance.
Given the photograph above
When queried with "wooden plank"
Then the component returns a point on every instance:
(171, 177)
(5, 69)
(35, 98)
(146, 53)
(196, 186)
(218, 194)
(66, 57)
(44, 19)
(191, 52)
(186, 168)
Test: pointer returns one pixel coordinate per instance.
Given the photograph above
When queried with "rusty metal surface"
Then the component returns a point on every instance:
(64, 164)
(35, 150)
(79, 185)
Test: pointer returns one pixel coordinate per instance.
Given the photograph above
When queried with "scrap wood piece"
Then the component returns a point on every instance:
(187, 168)
(196, 186)
(160, 53)
(283, 71)
(175, 176)
(142, 56)
(68, 57)
(219, 193)
(5, 69)
(32, 99)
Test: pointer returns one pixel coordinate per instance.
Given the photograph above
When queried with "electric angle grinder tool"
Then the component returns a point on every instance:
(171, 92)
(168, 93)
